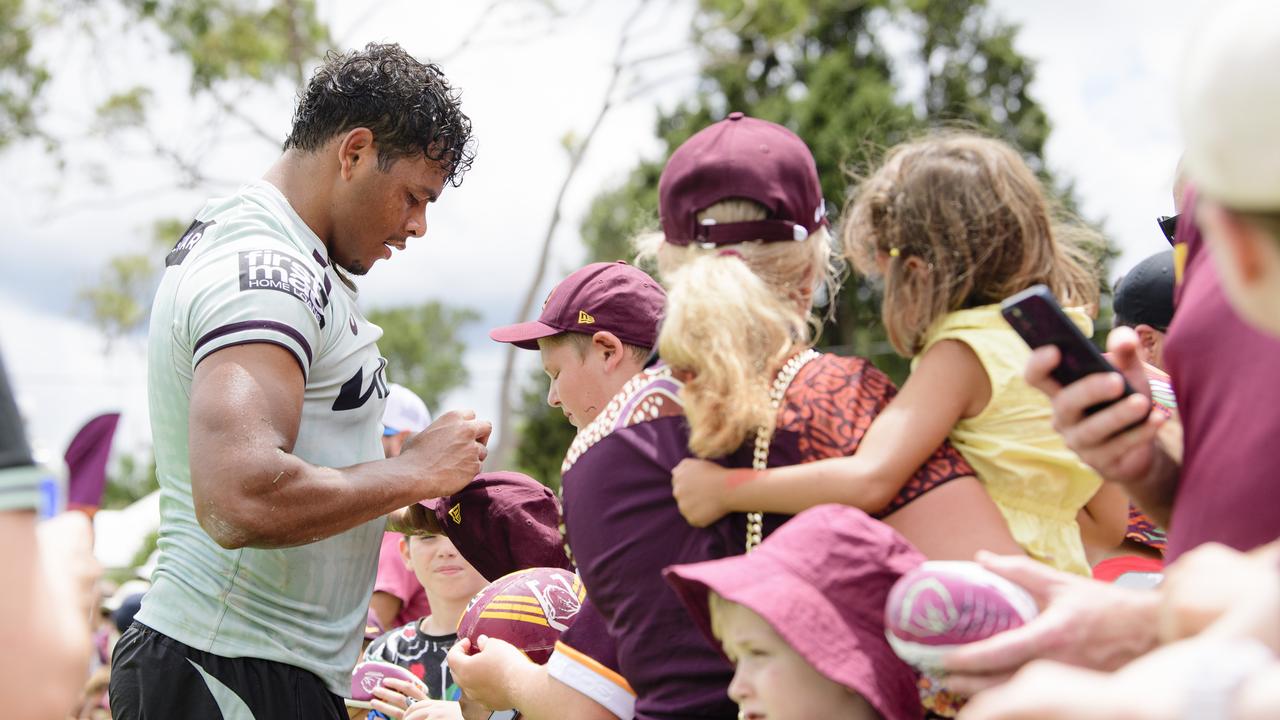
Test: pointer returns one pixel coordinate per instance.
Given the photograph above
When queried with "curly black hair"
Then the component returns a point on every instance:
(408, 105)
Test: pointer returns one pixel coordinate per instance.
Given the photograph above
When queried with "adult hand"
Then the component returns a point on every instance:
(486, 676)
(699, 488)
(1101, 439)
(449, 452)
(434, 710)
(66, 558)
(1082, 622)
(1213, 580)
(393, 697)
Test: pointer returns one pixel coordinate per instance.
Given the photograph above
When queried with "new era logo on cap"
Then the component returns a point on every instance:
(455, 513)
(585, 319)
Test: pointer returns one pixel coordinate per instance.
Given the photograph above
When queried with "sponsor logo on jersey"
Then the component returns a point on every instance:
(353, 394)
(189, 238)
(271, 270)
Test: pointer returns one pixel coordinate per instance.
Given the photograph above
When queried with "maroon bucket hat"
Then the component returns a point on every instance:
(821, 581)
(502, 522)
(741, 157)
(614, 296)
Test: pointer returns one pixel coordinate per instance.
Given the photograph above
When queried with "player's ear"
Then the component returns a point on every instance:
(355, 149)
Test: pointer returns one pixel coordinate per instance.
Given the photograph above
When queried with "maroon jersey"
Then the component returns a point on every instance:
(1224, 376)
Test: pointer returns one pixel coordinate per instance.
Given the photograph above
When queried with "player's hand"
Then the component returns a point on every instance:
(699, 487)
(1082, 622)
(1100, 439)
(486, 675)
(448, 453)
(393, 697)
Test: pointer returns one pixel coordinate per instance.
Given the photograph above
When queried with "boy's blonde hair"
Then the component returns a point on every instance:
(734, 315)
(962, 222)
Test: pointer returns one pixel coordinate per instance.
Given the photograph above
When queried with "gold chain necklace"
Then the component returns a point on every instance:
(764, 435)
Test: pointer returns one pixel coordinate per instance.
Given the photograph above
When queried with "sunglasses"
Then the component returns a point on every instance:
(1168, 224)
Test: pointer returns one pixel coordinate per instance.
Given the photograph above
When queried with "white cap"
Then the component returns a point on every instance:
(405, 410)
(131, 587)
(1229, 103)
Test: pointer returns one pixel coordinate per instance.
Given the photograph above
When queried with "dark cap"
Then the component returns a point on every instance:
(1144, 296)
(502, 522)
(748, 158)
(616, 297)
(821, 581)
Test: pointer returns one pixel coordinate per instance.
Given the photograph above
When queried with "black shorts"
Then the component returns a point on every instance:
(154, 677)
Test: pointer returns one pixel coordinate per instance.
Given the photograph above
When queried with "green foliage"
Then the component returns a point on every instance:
(132, 479)
(853, 78)
(21, 79)
(422, 347)
(118, 303)
(545, 434)
(237, 39)
(124, 109)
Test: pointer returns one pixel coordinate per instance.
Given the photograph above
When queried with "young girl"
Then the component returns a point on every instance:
(802, 619)
(741, 270)
(954, 224)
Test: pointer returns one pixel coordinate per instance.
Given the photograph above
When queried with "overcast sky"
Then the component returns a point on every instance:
(1105, 76)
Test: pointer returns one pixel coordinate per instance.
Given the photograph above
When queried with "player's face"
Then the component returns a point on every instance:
(441, 570)
(377, 210)
(580, 386)
(771, 681)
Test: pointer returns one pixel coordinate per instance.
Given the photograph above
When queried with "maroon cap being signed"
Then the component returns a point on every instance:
(502, 522)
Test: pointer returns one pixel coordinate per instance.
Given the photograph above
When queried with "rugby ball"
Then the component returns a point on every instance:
(370, 674)
(942, 605)
(528, 608)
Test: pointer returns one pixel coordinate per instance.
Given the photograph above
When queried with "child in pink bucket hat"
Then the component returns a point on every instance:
(802, 618)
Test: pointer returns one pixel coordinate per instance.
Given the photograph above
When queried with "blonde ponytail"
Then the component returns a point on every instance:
(731, 331)
(733, 317)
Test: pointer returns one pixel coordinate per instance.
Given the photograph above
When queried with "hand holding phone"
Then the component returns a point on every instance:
(1036, 316)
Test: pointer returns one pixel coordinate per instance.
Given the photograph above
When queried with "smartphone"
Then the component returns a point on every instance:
(1035, 314)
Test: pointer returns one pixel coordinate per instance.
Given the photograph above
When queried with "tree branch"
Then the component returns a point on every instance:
(501, 455)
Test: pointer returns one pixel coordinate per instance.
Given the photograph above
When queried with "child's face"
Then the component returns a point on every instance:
(580, 386)
(442, 571)
(772, 681)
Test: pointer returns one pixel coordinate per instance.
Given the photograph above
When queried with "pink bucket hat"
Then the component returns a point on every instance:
(821, 581)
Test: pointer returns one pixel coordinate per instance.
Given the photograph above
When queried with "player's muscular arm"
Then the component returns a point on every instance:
(249, 490)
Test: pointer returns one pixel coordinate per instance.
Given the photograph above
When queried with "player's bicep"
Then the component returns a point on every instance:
(246, 405)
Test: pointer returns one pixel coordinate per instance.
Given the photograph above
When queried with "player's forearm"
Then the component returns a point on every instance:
(275, 499)
(793, 489)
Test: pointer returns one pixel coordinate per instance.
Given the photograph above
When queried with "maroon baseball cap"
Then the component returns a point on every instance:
(502, 522)
(821, 581)
(741, 157)
(614, 296)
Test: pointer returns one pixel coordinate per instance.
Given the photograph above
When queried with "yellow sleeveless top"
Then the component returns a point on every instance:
(1038, 483)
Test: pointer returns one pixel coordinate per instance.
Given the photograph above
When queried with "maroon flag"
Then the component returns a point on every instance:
(87, 462)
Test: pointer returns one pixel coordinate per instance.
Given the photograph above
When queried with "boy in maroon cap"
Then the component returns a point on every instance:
(802, 618)
(596, 331)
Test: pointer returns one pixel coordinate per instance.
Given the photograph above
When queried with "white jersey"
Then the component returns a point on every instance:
(249, 270)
